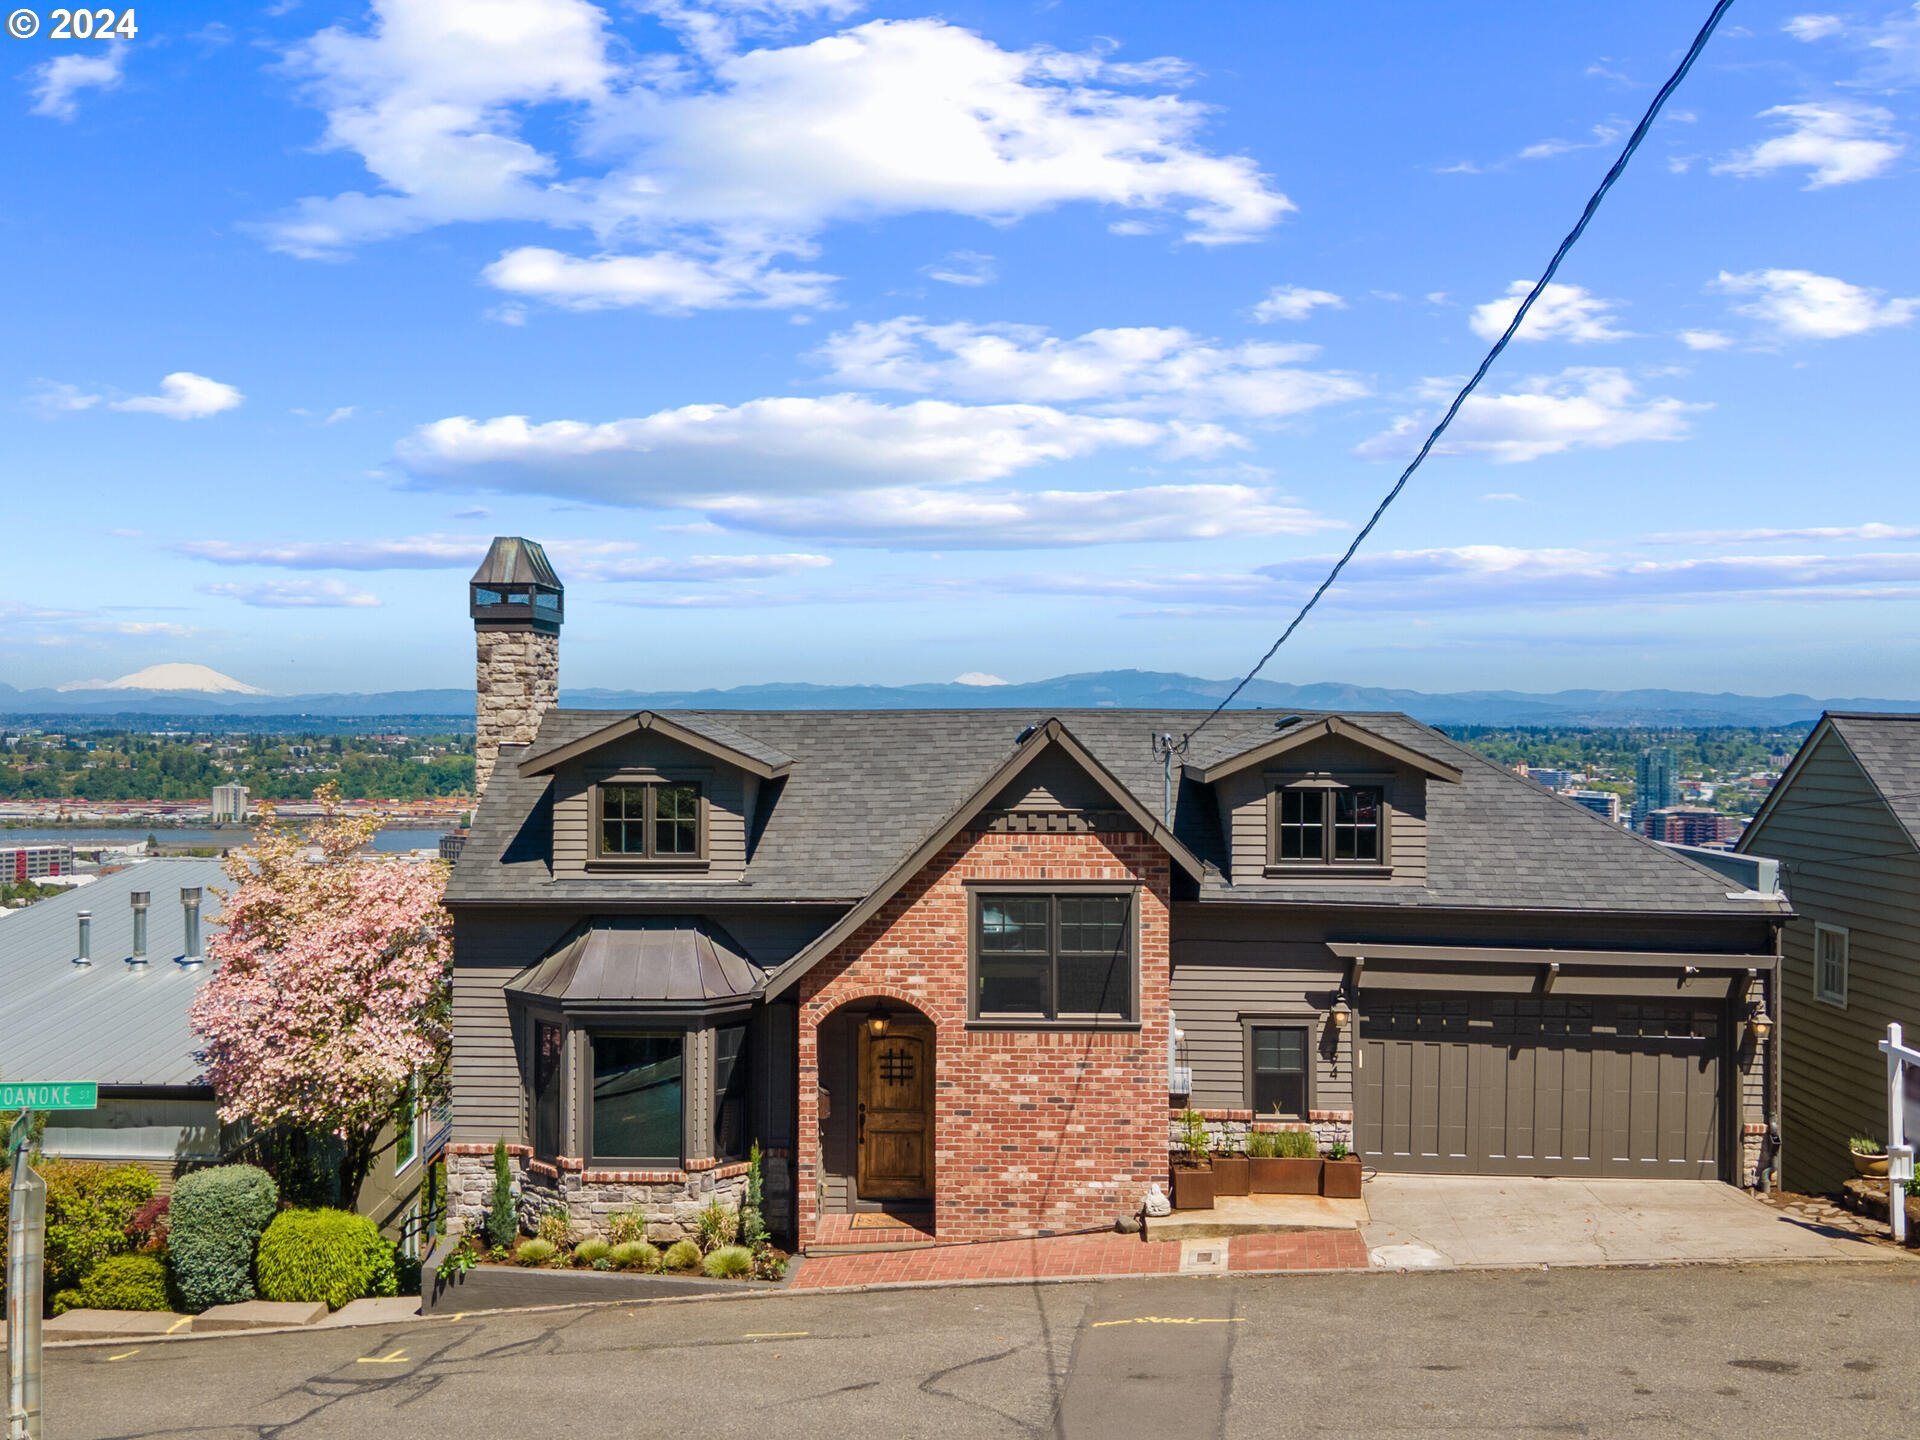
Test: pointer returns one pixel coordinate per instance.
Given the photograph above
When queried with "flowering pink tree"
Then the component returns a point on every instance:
(329, 995)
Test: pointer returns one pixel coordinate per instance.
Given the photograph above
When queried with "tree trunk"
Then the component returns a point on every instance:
(356, 1161)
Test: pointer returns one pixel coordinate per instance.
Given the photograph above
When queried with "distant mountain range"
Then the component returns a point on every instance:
(1118, 689)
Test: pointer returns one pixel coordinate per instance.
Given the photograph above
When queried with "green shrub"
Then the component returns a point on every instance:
(125, 1282)
(589, 1252)
(682, 1255)
(536, 1252)
(729, 1262)
(1193, 1135)
(634, 1255)
(89, 1207)
(1297, 1145)
(329, 1255)
(406, 1271)
(63, 1301)
(214, 1225)
(502, 1226)
(1866, 1145)
(556, 1227)
(626, 1226)
(717, 1226)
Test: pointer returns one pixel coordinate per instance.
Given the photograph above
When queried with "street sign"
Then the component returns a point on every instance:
(49, 1095)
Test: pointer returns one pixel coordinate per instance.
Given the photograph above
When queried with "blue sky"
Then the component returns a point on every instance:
(831, 341)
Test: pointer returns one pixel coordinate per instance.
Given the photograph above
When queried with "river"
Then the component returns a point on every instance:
(391, 839)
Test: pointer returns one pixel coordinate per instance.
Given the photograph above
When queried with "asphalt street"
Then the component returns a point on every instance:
(1764, 1350)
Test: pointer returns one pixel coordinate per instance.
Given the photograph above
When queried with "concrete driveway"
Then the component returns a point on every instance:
(1439, 1221)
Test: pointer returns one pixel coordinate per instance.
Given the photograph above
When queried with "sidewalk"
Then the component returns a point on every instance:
(1085, 1257)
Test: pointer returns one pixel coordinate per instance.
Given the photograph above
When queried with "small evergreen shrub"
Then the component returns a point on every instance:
(536, 1252)
(1297, 1145)
(1338, 1150)
(634, 1255)
(591, 1252)
(328, 1255)
(89, 1207)
(556, 1227)
(681, 1255)
(125, 1282)
(717, 1226)
(624, 1227)
(502, 1226)
(729, 1262)
(214, 1224)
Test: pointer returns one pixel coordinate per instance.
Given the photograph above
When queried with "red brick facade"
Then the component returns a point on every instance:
(1033, 1129)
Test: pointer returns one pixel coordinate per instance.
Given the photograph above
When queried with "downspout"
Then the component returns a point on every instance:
(1777, 998)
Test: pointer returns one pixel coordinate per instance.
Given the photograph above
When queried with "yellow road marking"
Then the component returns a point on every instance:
(457, 1315)
(398, 1357)
(183, 1320)
(776, 1335)
(124, 1353)
(1174, 1320)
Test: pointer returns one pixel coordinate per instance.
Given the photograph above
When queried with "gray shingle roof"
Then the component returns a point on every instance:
(110, 1022)
(1888, 749)
(868, 786)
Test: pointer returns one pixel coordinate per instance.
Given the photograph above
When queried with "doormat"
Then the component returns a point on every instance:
(876, 1220)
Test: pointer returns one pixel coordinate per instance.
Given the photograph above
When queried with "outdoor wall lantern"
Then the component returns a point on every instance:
(1760, 1022)
(878, 1022)
(1341, 1013)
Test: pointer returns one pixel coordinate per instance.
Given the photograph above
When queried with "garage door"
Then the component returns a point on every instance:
(1522, 1085)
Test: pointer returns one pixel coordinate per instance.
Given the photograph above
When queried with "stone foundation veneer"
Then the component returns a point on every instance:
(670, 1199)
(1227, 1129)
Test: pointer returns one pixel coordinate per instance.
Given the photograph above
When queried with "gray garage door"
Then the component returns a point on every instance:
(1521, 1085)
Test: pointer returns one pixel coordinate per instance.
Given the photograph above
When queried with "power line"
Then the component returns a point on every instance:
(1546, 276)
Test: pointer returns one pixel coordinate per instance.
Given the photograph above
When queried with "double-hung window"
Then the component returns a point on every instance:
(1054, 958)
(1830, 964)
(1316, 825)
(1278, 1062)
(650, 821)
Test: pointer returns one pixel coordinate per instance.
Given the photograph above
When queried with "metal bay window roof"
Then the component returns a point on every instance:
(625, 961)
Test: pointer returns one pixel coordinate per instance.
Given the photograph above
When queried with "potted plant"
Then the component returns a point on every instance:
(1232, 1172)
(1193, 1166)
(1340, 1173)
(1869, 1156)
(1284, 1162)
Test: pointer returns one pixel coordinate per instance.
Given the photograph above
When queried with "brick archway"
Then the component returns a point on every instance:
(840, 1158)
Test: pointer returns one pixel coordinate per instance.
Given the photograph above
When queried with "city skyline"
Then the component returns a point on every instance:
(1031, 341)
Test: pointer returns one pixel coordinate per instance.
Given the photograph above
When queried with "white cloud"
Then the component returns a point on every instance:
(184, 396)
(683, 569)
(52, 399)
(684, 457)
(962, 267)
(1602, 135)
(1580, 408)
(1809, 28)
(1563, 312)
(1872, 530)
(722, 160)
(977, 677)
(1840, 142)
(1501, 497)
(413, 552)
(338, 414)
(1141, 369)
(1800, 305)
(1295, 302)
(1705, 340)
(294, 594)
(928, 519)
(58, 82)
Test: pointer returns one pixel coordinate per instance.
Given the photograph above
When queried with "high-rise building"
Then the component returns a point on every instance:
(21, 863)
(1603, 803)
(1552, 779)
(1655, 786)
(229, 804)
(1680, 825)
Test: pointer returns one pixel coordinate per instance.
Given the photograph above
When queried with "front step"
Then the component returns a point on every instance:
(1258, 1215)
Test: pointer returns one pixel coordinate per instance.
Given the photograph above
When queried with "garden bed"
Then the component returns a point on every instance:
(502, 1285)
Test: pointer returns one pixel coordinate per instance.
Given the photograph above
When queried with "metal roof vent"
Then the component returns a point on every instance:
(190, 907)
(140, 899)
(85, 956)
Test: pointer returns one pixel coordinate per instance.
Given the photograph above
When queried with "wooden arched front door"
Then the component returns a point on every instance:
(895, 1123)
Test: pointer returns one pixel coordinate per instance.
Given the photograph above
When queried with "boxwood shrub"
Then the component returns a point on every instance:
(329, 1255)
(214, 1223)
(125, 1282)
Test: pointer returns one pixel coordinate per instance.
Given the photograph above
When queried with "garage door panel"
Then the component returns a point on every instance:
(1536, 1086)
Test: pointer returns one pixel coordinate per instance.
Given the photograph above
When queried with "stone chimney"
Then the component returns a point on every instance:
(517, 603)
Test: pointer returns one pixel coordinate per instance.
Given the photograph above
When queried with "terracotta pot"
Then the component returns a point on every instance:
(1192, 1188)
(1873, 1165)
(1230, 1175)
(1275, 1176)
(1340, 1179)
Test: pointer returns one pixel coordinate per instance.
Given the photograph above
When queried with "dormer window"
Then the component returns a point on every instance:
(651, 821)
(1325, 822)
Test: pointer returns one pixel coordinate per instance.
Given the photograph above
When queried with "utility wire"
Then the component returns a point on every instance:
(1593, 204)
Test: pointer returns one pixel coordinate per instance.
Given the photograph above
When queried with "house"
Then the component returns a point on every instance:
(965, 966)
(97, 983)
(1844, 825)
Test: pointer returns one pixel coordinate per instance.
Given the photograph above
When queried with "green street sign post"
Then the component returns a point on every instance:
(49, 1095)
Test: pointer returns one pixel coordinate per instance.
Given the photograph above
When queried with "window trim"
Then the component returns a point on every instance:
(1311, 1022)
(689, 1097)
(745, 1058)
(411, 1130)
(1835, 998)
(561, 1080)
(601, 859)
(1326, 784)
(977, 893)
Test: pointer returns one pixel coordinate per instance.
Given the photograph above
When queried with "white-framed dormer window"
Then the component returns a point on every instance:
(1830, 964)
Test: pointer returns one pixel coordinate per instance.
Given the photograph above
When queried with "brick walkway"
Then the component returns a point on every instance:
(1069, 1257)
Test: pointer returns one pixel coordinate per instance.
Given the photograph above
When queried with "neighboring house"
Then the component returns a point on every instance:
(1844, 823)
(108, 1003)
(959, 965)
